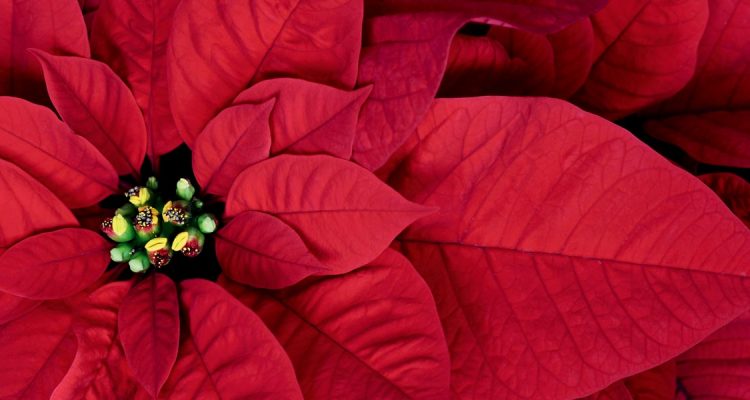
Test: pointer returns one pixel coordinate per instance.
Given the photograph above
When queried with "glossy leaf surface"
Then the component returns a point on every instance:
(373, 333)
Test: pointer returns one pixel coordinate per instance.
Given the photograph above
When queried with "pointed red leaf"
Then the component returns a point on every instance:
(13, 307)
(615, 391)
(97, 105)
(645, 51)
(37, 350)
(237, 138)
(28, 207)
(55, 26)
(555, 272)
(320, 197)
(53, 264)
(131, 37)
(405, 73)
(259, 250)
(149, 329)
(658, 383)
(219, 48)
(534, 15)
(710, 117)
(227, 352)
(734, 190)
(326, 127)
(99, 369)
(371, 334)
(32, 138)
(718, 367)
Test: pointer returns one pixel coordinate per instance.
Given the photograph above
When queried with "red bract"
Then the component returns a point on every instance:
(508, 247)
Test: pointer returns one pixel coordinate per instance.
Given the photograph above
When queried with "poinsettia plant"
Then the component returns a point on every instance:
(337, 199)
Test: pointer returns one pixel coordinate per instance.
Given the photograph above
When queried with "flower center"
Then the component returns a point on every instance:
(151, 227)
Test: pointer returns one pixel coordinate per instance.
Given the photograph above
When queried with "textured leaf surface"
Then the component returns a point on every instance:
(32, 138)
(53, 264)
(149, 328)
(260, 250)
(226, 352)
(645, 51)
(237, 138)
(719, 367)
(658, 383)
(556, 273)
(326, 127)
(55, 26)
(371, 334)
(37, 350)
(321, 197)
(12, 307)
(219, 48)
(534, 15)
(710, 117)
(405, 73)
(131, 37)
(734, 190)
(97, 105)
(99, 369)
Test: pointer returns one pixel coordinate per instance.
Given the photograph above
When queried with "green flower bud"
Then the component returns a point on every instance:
(189, 243)
(118, 228)
(139, 262)
(207, 223)
(122, 253)
(185, 189)
(146, 224)
(176, 212)
(126, 210)
(152, 183)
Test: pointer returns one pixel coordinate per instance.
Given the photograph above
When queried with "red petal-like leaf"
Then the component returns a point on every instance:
(227, 352)
(615, 391)
(131, 37)
(535, 15)
(219, 48)
(237, 138)
(55, 26)
(12, 307)
(405, 73)
(97, 105)
(99, 369)
(513, 62)
(657, 383)
(37, 350)
(149, 329)
(645, 51)
(555, 271)
(718, 367)
(54, 264)
(734, 190)
(710, 117)
(320, 197)
(32, 138)
(326, 127)
(28, 207)
(259, 250)
(371, 334)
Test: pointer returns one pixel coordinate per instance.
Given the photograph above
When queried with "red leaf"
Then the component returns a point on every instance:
(237, 138)
(219, 48)
(615, 391)
(718, 367)
(326, 127)
(733, 190)
(513, 62)
(28, 207)
(227, 351)
(149, 329)
(405, 73)
(371, 334)
(37, 350)
(260, 250)
(710, 117)
(54, 264)
(555, 272)
(55, 26)
(645, 51)
(32, 138)
(97, 105)
(534, 15)
(658, 383)
(99, 369)
(320, 197)
(131, 37)
(13, 307)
